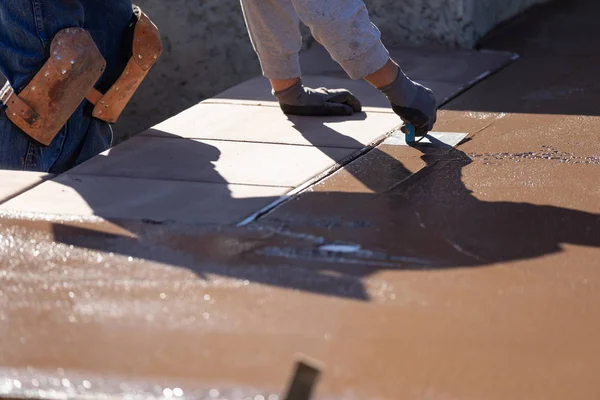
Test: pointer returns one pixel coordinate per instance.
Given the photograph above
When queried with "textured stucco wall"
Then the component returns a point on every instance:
(449, 23)
(488, 14)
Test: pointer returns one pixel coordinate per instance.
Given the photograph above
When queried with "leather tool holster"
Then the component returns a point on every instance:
(68, 77)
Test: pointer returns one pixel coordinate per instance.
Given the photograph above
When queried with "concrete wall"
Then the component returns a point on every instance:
(487, 14)
(449, 23)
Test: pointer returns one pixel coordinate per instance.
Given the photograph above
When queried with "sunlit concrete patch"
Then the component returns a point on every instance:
(241, 123)
(13, 183)
(434, 139)
(257, 91)
(141, 199)
(214, 161)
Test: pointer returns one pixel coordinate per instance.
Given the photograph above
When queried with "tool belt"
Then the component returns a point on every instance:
(68, 77)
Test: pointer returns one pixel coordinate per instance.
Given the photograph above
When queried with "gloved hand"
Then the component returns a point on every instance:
(414, 103)
(300, 100)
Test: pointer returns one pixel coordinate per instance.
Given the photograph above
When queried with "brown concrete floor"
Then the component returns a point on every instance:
(476, 278)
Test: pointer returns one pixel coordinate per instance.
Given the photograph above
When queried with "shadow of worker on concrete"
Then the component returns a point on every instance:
(426, 220)
(399, 220)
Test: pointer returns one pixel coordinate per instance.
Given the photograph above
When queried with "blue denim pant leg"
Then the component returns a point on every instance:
(27, 28)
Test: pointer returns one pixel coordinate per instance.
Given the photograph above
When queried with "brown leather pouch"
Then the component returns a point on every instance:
(53, 95)
(147, 48)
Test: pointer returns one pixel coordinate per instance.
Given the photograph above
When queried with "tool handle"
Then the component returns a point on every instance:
(410, 133)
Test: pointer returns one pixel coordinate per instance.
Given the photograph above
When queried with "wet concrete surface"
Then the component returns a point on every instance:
(412, 273)
(454, 283)
(139, 308)
(226, 310)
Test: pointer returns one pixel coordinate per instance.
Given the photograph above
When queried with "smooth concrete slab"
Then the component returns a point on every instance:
(138, 199)
(235, 122)
(451, 66)
(257, 91)
(420, 63)
(214, 161)
(13, 183)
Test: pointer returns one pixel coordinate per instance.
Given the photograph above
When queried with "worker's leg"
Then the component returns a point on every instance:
(273, 26)
(346, 31)
(27, 28)
(274, 30)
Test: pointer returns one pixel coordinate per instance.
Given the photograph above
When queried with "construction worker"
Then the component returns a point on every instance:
(63, 60)
(345, 30)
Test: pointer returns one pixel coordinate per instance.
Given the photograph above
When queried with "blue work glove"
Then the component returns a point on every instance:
(414, 103)
(300, 100)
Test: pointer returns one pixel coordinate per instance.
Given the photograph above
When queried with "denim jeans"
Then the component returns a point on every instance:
(27, 28)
